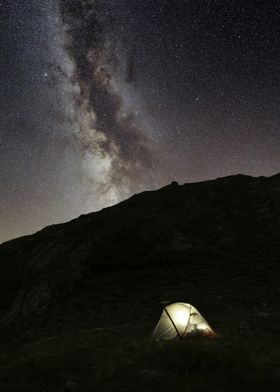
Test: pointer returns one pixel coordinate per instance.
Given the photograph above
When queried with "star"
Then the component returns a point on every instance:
(173, 83)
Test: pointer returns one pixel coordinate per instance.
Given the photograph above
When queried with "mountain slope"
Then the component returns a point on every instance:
(235, 220)
(214, 244)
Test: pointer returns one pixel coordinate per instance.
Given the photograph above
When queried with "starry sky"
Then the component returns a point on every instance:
(103, 99)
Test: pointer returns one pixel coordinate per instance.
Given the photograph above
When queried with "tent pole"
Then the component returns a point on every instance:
(188, 320)
(172, 323)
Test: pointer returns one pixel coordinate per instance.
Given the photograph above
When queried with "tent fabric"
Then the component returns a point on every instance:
(179, 320)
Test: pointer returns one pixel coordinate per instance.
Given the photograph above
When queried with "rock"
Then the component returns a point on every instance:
(244, 325)
(150, 373)
(245, 328)
(71, 386)
(263, 315)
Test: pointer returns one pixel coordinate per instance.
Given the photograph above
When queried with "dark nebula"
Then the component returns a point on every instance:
(92, 48)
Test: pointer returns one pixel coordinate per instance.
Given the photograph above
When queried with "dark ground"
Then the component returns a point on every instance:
(78, 301)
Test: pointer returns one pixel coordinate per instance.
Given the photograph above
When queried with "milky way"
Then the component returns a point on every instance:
(103, 99)
(118, 158)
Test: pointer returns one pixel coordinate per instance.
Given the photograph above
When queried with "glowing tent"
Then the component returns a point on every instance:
(180, 320)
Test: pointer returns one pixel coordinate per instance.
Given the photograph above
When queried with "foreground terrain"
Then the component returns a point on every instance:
(78, 301)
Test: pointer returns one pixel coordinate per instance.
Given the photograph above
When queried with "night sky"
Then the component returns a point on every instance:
(103, 99)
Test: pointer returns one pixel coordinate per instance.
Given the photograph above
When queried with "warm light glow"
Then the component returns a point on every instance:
(180, 318)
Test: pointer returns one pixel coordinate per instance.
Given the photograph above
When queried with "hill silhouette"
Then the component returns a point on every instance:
(102, 277)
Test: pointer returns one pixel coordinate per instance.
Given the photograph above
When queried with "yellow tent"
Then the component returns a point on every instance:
(180, 320)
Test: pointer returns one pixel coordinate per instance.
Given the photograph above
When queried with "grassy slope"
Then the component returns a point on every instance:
(78, 301)
(122, 360)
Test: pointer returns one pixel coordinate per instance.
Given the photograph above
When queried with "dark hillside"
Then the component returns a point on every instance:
(215, 244)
